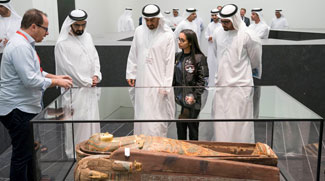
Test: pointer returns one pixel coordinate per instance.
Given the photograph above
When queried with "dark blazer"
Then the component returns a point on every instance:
(247, 21)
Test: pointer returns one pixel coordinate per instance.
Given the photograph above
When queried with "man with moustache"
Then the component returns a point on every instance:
(239, 51)
(21, 88)
(151, 64)
(76, 56)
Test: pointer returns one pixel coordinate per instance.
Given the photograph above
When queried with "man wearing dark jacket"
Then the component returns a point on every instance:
(243, 17)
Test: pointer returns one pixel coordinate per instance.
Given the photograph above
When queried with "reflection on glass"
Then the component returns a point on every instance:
(84, 104)
(191, 101)
(286, 134)
(115, 104)
(233, 103)
(256, 102)
(296, 143)
(153, 104)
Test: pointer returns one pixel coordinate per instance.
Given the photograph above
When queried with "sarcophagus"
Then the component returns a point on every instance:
(258, 153)
(156, 158)
(101, 167)
(149, 165)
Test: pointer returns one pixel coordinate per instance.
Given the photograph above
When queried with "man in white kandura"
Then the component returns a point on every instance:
(176, 18)
(168, 19)
(76, 56)
(212, 58)
(151, 64)
(200, 25)
(188, 23)
(258, 24)
(9, 23)
(239, 51)
(125, 22)
(279, 22)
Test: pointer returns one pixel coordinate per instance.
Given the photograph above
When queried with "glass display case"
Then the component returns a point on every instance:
(228, 114)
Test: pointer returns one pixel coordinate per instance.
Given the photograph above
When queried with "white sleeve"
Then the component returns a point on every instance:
(254, 50)
(265, 33)
(170, 61)
(207, 32)
(272, 24)
(131, 25)
(97, 65)
(176, 33)
(214, 40)
(63, 66)
(96, 60)
(177, 30)
(286, 25)
(131, 67)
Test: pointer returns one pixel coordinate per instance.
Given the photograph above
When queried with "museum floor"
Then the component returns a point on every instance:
(299, 166)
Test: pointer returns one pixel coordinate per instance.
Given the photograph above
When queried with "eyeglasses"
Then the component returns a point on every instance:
(225, 22)
(181, 40)
(45, 28)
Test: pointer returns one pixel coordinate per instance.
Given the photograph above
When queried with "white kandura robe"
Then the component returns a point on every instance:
(211, 58)
(81, 62)
(238, 52)
(261, 29)
(237, 56)
(84, 103)
(187, 25)
(233, 103)
(125, 22)
(168, 20)
(151, 62)
(175, 21)
(279, 23)
(8, 26)
(199, 23)
(78, 60)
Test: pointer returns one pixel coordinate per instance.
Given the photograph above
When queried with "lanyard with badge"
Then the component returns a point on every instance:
(39, 60)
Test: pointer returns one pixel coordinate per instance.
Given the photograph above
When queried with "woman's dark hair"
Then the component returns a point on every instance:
(192, 39)
(32, 16)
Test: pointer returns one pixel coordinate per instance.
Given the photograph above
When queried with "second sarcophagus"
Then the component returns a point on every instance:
(149, 165)
(140, 157)
(258, 153)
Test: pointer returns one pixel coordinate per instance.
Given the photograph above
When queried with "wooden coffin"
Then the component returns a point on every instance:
(101, 167)
(148, 165)
(258, 153)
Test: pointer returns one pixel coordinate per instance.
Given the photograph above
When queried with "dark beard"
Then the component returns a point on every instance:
(78, 32)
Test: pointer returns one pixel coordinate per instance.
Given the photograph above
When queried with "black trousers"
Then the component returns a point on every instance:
(18, 125)
(193, 127)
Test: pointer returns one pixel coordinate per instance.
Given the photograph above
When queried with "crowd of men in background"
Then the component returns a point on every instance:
(174, 18)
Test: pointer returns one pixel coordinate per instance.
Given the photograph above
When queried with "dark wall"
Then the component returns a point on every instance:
(113, 61)
(296, 69)
(64, 8)
(299, 71)
(292, 35)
